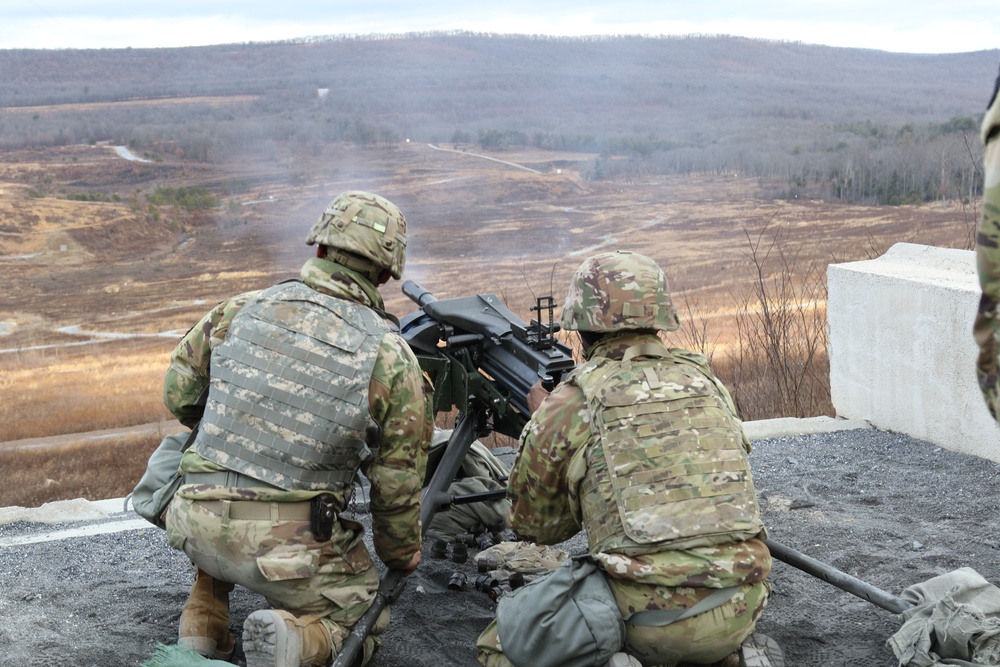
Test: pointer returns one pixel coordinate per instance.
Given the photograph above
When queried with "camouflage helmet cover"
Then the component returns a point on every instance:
(619, 290)
(365, 225)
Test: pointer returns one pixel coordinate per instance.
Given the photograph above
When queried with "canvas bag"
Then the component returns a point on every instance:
(480, 471)
(568, 618)
(162, 478)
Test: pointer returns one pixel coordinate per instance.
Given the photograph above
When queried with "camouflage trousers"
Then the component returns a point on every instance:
(700, 640)
(333, 582)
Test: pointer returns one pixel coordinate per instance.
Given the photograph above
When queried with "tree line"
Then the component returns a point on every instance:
(864, 162)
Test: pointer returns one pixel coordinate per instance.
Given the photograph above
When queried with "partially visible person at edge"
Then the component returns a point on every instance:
(987, 327)
(653, 411)
(307, 385)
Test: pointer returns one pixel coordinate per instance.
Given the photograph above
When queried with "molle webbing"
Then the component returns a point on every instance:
(678, 472)
(289, 397)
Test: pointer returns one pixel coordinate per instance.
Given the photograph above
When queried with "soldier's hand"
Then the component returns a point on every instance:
(536, 395)
(411, 567)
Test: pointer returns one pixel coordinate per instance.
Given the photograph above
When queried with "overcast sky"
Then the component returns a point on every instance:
(911, 26)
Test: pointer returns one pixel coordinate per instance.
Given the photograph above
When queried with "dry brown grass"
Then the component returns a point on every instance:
(78, 389)
(109, 469)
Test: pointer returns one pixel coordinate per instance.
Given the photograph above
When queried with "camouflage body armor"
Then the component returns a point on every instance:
(678, 474)
(289, 406)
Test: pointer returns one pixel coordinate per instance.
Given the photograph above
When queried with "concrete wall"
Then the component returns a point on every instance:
(901, 349)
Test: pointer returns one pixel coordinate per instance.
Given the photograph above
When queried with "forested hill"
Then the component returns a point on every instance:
(477, 77)
(709, 102)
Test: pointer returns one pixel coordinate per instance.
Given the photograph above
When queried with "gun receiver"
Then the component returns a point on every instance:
(476, 349)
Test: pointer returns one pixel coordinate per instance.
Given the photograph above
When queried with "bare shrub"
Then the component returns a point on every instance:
(779, 365)
(695, 332)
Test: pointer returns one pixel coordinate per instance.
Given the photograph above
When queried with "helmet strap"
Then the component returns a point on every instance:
(347, 217)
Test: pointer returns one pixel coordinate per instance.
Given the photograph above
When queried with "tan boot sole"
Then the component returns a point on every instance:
(761, 651)
(269, 642)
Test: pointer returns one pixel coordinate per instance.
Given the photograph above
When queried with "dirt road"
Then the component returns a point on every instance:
(158, 429)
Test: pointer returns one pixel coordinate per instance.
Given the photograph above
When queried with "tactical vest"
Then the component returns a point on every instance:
(288, 401)
(670, 471)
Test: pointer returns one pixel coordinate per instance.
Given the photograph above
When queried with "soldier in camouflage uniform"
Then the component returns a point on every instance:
(987, 327)
(307, 384)
(641, 444)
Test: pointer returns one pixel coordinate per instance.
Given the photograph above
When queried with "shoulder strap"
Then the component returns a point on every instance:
(661, 617)
(202, 399)
(655, 350)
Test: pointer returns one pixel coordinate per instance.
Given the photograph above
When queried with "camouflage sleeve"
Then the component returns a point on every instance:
(188, 372)
(397, 399)
(987, 326)
(545, 506)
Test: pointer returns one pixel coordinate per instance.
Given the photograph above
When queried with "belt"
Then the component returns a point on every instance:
(258, 510)
(225, 478)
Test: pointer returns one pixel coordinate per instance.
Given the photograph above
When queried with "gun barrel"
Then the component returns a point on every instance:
(418, 294)
(841, 580)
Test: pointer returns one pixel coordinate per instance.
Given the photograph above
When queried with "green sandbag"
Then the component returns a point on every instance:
(180, 656)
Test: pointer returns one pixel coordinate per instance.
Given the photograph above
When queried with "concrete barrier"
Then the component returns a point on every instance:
(902, 355)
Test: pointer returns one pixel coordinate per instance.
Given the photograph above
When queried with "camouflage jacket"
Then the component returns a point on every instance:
(396, 401)
(551, 473)
(987, 327)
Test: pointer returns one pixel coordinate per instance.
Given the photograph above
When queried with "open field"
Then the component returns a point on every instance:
(210, 100)
(97, 292)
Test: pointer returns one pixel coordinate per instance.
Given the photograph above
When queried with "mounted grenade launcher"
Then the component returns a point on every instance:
(482, 360)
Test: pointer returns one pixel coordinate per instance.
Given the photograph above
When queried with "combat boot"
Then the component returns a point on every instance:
(761, 651)
(274, 638)
(731, 660)
(204, 624)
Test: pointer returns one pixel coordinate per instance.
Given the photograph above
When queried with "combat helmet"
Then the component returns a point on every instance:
(369, 232)
(619, 290)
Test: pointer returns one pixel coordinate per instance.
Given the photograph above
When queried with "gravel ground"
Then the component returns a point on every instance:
(883, 507)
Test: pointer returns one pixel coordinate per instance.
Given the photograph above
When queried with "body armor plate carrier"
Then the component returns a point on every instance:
(288, 402)
(674, 450)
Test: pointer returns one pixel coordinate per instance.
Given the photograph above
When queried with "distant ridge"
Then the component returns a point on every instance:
(856, 124)
(472, 77)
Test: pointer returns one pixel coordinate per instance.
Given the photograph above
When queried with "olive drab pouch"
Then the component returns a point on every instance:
(568, 618)
(162, 478)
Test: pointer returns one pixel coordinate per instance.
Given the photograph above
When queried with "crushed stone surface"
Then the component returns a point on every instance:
(888, 509)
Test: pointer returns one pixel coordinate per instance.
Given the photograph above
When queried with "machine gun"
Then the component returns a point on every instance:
(482, 360)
